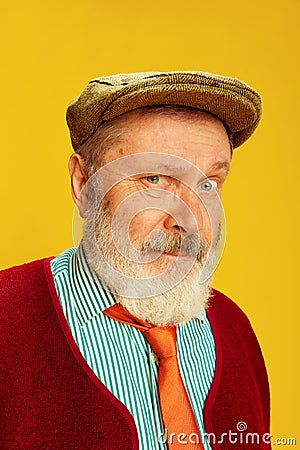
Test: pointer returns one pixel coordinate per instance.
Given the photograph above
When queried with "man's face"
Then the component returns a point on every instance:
(201, 142)
(161, 183)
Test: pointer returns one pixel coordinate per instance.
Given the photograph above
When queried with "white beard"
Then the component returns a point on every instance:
(172, 306)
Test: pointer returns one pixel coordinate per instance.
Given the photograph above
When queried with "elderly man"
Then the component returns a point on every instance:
(121, 343)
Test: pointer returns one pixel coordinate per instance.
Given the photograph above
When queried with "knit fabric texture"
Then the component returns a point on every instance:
(51, 399)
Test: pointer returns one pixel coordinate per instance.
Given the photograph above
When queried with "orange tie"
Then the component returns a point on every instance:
(176, 410)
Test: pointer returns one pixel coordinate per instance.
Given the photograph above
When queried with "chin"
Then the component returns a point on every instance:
(180, 304)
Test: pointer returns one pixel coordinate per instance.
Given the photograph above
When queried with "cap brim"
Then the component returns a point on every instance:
(234, 102)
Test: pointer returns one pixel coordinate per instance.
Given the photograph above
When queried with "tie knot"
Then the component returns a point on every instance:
(162, 340)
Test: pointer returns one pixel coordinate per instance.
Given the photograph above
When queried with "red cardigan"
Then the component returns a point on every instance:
(51, 399)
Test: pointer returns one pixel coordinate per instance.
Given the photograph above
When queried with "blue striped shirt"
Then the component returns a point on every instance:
(120, 356)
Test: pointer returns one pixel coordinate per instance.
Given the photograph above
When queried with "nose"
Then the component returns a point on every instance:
(185, 215)
(182, 224)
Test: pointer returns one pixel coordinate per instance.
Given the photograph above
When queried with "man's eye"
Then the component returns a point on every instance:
(209, 185)
(156, 179)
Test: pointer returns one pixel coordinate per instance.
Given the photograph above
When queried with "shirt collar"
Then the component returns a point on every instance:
(91, 297)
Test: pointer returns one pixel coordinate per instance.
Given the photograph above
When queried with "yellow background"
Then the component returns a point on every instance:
(51, 49)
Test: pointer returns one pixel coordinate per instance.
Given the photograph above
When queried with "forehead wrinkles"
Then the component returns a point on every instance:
(135, 121)
(160, 133)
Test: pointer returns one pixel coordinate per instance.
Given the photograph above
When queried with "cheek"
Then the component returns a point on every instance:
(204, 224)
(206, 219)
(115, 196)
(130, 214)
(211, 218)
(143, 223)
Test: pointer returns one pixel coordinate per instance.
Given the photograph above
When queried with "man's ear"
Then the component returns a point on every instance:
(78, 181)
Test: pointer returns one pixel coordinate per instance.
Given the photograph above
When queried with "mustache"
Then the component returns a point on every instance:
(175, 244)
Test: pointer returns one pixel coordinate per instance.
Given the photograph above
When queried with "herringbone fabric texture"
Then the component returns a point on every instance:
(234, 102)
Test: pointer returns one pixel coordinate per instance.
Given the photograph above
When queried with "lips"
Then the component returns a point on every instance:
(178, 255)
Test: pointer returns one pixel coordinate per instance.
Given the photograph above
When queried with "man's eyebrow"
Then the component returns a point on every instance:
(166, 167)
(220, 165)
(180, 169)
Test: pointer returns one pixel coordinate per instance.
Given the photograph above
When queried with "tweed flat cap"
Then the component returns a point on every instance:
(234, 102)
